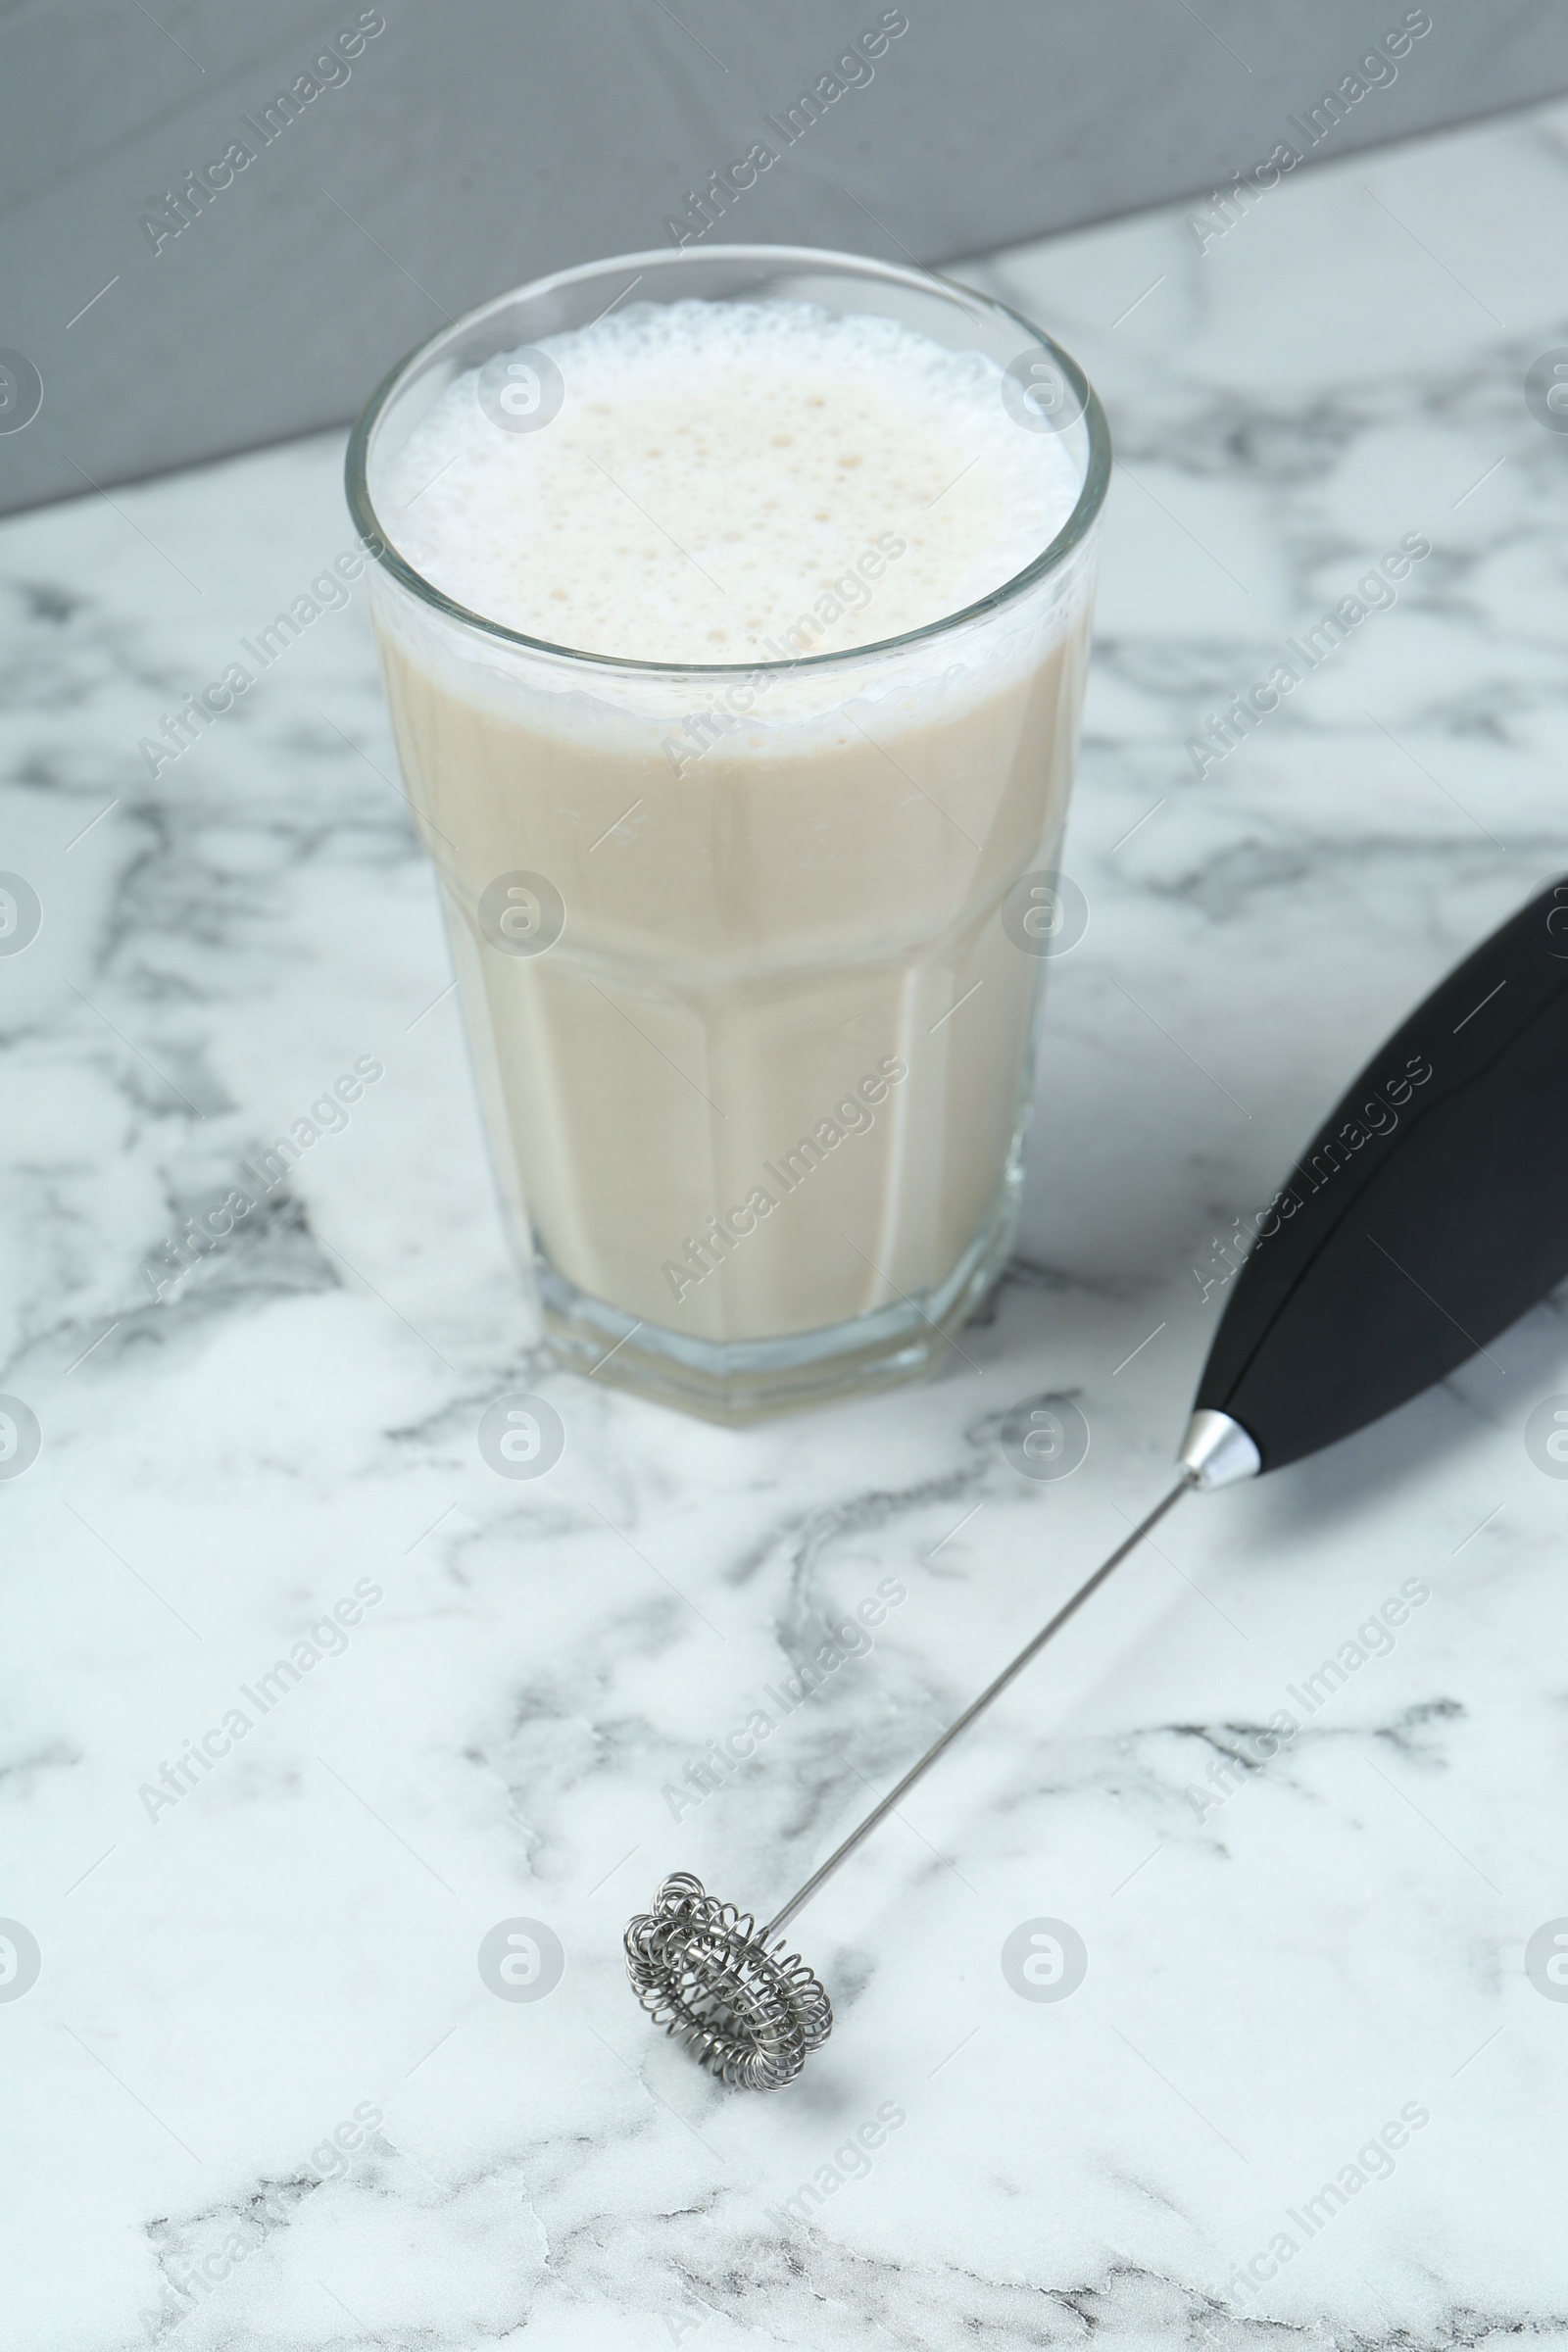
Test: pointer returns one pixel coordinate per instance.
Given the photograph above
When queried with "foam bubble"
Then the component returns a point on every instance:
(717, 474)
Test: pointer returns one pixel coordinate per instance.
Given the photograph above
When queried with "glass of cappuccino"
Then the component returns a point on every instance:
(733, 606)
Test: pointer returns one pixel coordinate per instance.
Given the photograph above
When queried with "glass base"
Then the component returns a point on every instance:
(752, 1380)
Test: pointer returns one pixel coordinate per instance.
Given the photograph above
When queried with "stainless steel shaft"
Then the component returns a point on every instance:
(748, 2010)
(994, 1690)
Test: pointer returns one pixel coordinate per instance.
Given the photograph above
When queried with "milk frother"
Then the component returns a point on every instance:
(1427, 1213)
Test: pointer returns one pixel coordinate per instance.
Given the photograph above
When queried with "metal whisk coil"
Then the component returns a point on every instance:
(748, 2010)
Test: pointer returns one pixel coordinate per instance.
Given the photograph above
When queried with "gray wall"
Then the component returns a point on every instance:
(474, 145)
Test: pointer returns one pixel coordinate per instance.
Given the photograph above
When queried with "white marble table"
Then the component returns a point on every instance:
(286, 1949)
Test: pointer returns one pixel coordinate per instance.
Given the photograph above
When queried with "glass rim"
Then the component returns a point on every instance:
(1086, 508)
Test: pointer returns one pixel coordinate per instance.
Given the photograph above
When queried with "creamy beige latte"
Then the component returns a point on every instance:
(750, 1028)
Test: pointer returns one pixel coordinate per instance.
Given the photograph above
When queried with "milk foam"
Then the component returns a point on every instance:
(717, 471)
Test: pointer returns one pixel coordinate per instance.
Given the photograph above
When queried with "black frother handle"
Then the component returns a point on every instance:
(1426, 1214)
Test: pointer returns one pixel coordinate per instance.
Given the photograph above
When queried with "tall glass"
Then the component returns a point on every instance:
(749, 955)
